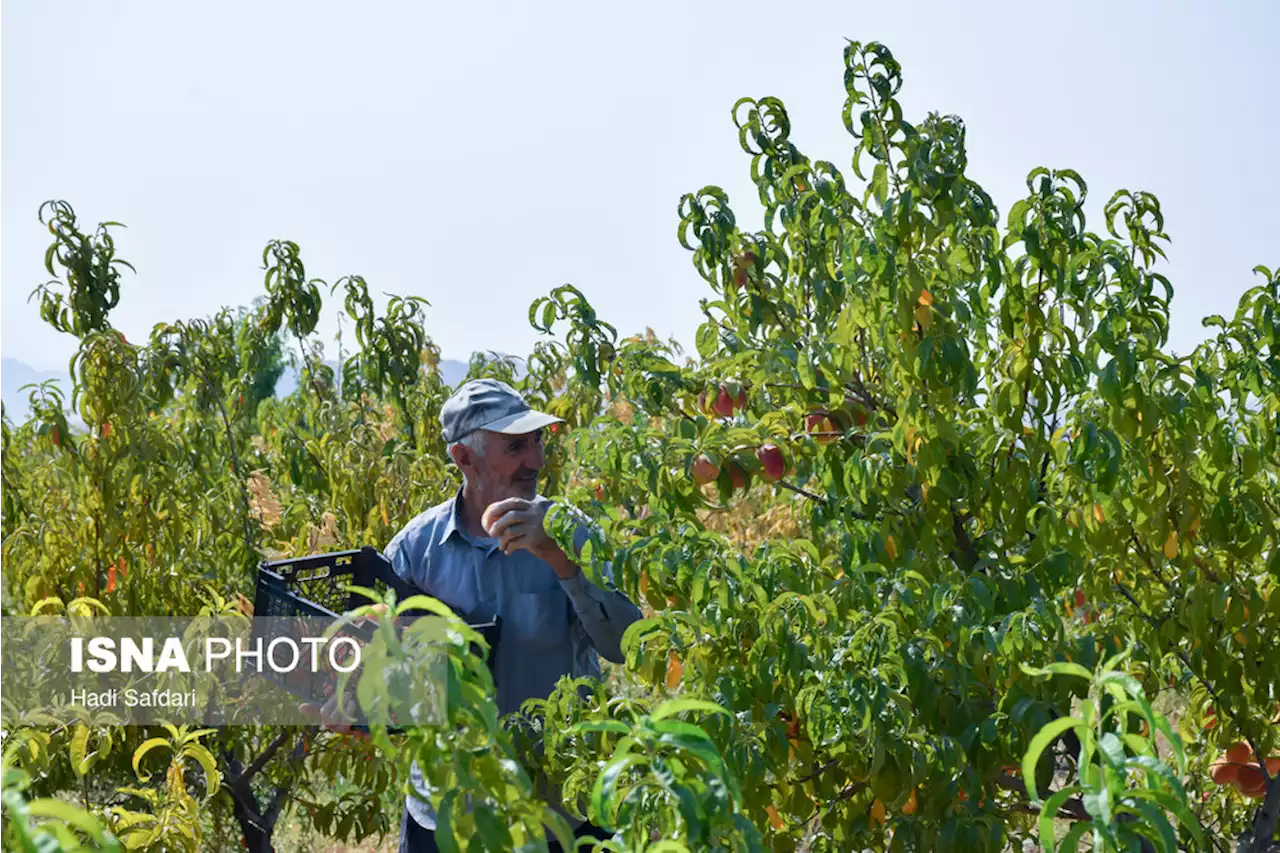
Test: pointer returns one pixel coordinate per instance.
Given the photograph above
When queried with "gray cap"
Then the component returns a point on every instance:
(492, 405)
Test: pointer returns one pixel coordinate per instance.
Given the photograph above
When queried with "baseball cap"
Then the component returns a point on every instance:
(492, 405)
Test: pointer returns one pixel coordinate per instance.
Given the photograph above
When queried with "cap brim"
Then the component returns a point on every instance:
(521, 422)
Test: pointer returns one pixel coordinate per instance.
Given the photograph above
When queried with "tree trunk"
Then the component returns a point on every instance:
(257, 837)
(1261, 838)
(257, 824)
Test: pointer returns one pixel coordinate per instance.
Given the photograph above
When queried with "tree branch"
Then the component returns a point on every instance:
(272, 814)
(967, 550)
(810, 495)
(1072, 809)
(1265, 821)
(261, 761)
(815, 774)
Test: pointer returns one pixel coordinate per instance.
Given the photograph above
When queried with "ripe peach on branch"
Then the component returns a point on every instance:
(822, 426)
(723, 400)
(737, 474)
(703, 470)
(1238, 767)
(773, 464)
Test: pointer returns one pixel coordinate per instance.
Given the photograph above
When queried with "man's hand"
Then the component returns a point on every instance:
(517, 524)
(330, 716)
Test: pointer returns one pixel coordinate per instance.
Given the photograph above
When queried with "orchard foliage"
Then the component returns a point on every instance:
(939, 547)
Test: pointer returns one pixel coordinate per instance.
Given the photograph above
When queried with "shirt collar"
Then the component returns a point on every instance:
(453, 524)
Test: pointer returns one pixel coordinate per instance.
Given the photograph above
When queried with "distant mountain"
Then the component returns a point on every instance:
(14, 374)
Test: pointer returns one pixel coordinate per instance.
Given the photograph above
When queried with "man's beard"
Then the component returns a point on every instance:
(513, 487)
(525, 488)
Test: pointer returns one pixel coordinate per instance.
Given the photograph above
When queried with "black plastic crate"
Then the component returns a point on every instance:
(312, 587)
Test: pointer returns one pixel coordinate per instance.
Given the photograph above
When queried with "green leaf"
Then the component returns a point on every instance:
(677, 706)
(1039, 743)
(1112, 750)
(1157, 820)
(708, 340)
(606, 784)
(559, 827)
(1059, 668)
(67, 813)
(805, 369)
(444, 824)
(616, 726)
(1048, 814)
(1098, 804)
(1071, 841)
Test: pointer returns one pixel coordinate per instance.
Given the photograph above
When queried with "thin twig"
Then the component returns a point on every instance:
(815, 774)
(810, 495)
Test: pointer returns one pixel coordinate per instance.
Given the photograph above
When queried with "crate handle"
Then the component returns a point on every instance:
(312, 574)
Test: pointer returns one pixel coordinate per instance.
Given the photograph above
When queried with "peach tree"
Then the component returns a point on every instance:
(939, 547)
(999, 485)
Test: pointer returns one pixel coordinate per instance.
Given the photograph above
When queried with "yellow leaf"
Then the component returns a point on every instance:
(1241, 638)
(1098, 515)
(644, 584)
(877, 812)
(675, 670)
(926, 298)
(891, 547)
(775, 819)
(924, 316)
(1171, 545)
(1195, 526)
(911, 804)
(80, 750)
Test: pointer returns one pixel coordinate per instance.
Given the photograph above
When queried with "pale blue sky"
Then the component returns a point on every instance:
(480, 154)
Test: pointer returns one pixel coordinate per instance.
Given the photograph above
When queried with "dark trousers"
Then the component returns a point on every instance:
(416, 839)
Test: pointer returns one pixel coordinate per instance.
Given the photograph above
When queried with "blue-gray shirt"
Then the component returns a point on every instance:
(550, 627)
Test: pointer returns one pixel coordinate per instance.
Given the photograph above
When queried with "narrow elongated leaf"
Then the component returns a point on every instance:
(1039, 744)
(145, 747)
(1049, 812)
(676, 706)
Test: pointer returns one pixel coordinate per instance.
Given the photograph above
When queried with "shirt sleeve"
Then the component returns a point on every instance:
(407, 559)
(605, 613)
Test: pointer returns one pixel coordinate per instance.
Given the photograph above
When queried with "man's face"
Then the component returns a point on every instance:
(510, 466)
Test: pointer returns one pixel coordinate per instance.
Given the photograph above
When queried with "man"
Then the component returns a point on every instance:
(554, 621)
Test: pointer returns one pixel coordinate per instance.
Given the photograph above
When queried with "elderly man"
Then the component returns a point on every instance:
(484, 552)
